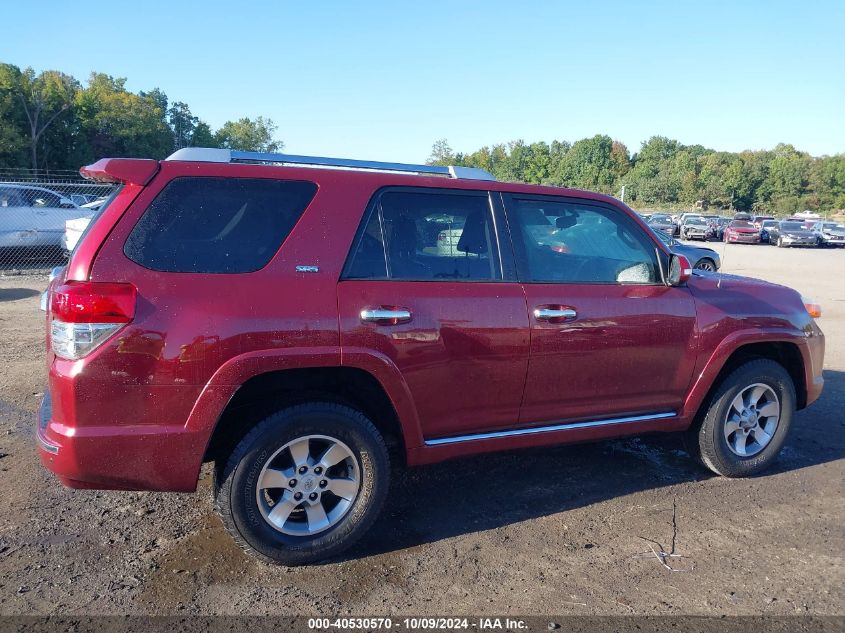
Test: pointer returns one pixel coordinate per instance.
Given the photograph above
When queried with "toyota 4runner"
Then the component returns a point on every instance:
(302, 322)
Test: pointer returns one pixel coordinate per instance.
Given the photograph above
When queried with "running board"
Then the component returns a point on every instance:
(547, 429)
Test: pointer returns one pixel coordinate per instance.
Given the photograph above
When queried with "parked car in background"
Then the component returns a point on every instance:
(695, 227)
(701, 257)
(830, 234)
(33, 216)
(286, 323)
(719, 225)
(791, 233)
(741, 215)
(765, 225)
(742, 232)
(758, 220)
(81, 199)
(76, 227)
(662, 222)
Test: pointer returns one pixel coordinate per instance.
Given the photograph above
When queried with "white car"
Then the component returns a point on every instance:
(76, 227)
(73, 231)
(33, 216)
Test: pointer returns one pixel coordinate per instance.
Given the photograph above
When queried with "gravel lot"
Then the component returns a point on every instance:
(552, 531)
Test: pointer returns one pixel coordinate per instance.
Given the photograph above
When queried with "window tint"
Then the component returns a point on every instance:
(41, 199)
(11, 198)
(217, 225)
(561, 241)
(426, 236)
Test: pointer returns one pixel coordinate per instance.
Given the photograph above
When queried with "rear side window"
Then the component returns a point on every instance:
(217, 225)
(427, 236)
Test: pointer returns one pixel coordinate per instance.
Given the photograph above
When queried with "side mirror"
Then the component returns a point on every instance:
(680, 270)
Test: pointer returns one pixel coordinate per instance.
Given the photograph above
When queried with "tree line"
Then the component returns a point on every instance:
(665, 173)
(50, 121)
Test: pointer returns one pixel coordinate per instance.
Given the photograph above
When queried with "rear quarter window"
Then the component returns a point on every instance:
(217, 225)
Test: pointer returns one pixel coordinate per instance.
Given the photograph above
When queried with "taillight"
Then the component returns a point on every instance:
(83, 315)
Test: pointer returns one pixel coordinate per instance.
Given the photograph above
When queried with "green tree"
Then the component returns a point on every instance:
(183, 123)
(589, 164)
(249, 135)
(117, 122)
(441, 153)
(43, 99)
(203, 136)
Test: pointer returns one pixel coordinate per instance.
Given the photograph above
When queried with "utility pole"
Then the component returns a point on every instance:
(622, 194)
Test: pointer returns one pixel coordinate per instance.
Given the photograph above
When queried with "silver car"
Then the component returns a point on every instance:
(830, 234)
(33, 216)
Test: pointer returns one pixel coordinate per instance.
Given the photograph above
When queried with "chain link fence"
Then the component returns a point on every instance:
(42, 217)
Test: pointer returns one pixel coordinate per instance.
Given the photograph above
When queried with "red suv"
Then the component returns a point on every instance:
(302, 322)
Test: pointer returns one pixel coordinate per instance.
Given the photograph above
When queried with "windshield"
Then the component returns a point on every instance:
(791, 226)
(741, 224)
(833, 225)
(769, 223)
(660, 218)
(697, 221)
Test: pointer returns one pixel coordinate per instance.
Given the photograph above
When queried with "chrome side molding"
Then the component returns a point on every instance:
(547, 429)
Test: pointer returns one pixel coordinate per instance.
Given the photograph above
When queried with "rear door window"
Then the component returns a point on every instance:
(217, 225)
(436, 235)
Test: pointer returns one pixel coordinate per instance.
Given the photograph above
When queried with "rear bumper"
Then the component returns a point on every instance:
(118, 457)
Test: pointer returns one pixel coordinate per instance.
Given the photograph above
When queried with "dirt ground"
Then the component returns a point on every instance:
(552, 531)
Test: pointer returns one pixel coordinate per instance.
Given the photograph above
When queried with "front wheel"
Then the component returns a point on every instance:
(706, 264)
(304, 484)
(746, 421)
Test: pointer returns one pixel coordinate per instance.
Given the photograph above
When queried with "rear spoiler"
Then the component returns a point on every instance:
(135, 171)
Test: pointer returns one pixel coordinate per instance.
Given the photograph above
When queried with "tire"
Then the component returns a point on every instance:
(245, 505)
(708, 440)
(705, 263)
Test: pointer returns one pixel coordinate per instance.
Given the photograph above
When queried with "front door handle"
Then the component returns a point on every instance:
(386, 316)
(555, 315)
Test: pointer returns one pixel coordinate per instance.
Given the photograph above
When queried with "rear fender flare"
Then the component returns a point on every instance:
(225, 382)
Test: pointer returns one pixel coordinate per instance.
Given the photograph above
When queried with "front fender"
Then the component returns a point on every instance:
(732, 342)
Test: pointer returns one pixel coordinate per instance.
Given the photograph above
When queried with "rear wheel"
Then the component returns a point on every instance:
(304, 484)
(746, 421)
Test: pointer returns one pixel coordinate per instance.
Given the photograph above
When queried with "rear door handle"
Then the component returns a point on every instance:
(386, 316)
(554, 314)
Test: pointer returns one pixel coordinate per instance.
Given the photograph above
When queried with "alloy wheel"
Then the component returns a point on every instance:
(308, 485)
(751, 420)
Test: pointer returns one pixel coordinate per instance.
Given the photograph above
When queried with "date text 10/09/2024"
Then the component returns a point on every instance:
(417, 624)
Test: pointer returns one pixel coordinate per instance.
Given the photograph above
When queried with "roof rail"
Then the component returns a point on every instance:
(211, 155)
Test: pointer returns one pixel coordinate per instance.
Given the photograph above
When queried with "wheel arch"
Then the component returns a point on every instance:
(788, 353)
(263, 393)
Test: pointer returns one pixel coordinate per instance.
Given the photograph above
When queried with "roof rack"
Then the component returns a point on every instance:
(212, 155)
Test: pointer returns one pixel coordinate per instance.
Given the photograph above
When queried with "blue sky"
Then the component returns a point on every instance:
(384, 80)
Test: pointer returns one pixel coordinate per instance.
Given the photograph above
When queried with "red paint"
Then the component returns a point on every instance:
(138, 412)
